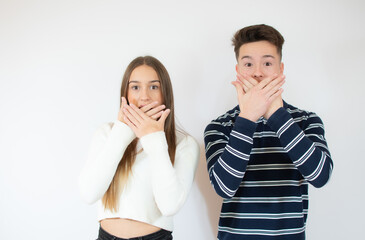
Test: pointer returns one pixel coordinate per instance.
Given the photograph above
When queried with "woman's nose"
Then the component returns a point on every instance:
(145, 94)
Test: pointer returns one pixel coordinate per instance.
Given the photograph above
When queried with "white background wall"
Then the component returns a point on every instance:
(61, 64)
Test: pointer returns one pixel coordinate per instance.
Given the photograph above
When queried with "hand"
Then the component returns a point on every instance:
(257, 100)
(275, 105)
(149, 109)
(120, 113)
(141, 123)
(152, 111)
(247, 81)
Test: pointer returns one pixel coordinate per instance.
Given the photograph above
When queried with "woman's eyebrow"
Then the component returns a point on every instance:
(134, 81)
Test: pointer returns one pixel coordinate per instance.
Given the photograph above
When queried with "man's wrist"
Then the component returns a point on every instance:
(278, 118)
(278, 103)
(248, 117)
(269, 114)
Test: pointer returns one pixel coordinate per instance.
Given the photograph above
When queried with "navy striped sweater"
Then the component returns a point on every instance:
(262, 171)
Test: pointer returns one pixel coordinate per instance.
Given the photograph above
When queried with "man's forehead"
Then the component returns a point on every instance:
(258, 47)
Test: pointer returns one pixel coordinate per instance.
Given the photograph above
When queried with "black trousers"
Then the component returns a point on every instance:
(159, 235)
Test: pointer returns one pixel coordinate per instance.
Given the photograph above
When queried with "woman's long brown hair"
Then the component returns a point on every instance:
(111, 197)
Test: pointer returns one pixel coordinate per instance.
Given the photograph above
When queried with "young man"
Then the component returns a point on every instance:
(262, 154)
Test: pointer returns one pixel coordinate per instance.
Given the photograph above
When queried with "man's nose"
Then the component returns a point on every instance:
(258, 72)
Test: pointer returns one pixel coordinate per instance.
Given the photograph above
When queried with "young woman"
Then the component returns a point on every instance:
(140, 169)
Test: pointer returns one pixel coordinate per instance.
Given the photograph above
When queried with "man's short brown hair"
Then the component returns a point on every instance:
(257, 33)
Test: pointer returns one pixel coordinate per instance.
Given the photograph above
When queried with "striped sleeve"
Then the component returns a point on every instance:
(306, 145)
(227, 152)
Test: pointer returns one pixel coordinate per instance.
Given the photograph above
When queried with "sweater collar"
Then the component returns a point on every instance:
(285, 106)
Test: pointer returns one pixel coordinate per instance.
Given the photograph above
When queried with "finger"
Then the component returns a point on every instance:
(130, 123)
(137, 113)
(275, 89)
(243, 84)
(266, 81)
(132, 117)
(155, 110)
(240, 77)
(164, 115)
(250, 79)
(239, 88)
(245, 88)
(120, 113)
(275, 84)
(157, 115)
(247, 85)
(148, 106)
(275, 95)
(124, 101)
(122, 104)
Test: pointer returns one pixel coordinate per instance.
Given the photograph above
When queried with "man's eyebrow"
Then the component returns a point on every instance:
(249, 57)
(265, 56)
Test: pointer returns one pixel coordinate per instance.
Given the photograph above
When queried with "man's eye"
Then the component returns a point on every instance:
(267, 64)
(248, 65)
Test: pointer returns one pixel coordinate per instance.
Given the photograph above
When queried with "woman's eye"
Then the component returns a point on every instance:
(134, 87)
(154, 87)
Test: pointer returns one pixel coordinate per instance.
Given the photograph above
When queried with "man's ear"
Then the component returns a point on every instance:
(281, 67)
(236, 68)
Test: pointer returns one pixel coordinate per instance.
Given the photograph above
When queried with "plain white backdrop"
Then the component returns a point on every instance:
(61, 64)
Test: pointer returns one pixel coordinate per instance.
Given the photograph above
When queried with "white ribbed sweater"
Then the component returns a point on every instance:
(155, 190)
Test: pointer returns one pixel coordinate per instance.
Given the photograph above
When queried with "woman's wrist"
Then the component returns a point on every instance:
(154, 142)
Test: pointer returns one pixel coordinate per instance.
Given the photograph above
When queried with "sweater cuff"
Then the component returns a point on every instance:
(154, 142)
(245, 126)
(124, 130)
(278, 119)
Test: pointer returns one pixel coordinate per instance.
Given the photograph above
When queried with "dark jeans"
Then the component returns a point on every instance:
(159, 235)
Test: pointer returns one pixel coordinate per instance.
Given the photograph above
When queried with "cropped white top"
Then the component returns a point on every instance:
(155, 190)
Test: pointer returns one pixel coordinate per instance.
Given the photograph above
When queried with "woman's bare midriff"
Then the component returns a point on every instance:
(127, 228)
